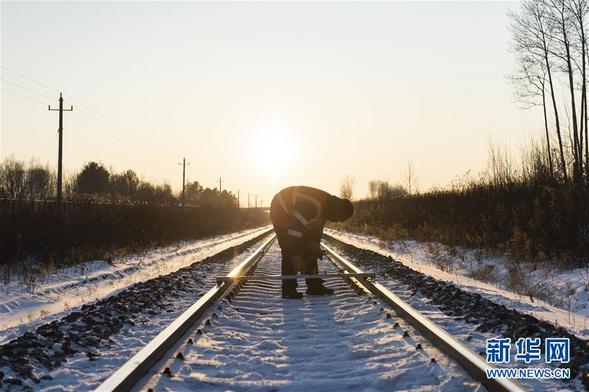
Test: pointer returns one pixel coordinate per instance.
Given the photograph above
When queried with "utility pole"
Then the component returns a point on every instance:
(256, 201)
(183, 163)
(60, 152)
(220, 186)
(238, 198)
(248, 200)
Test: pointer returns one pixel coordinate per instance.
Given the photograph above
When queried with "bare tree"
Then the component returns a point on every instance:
(12, 178)
(411, 179)
(39, 181)
(373, 189)
(383, 190)
(346, 189)
(579, 10)
(124, 184)
(561, 23)
(387, 191)
(533, 43)
(530, 91)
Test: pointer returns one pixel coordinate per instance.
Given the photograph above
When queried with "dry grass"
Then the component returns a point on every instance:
(482, 273)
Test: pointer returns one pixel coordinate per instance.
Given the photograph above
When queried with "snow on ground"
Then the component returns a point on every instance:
(567, 290)
(82, 374)
(261, 342)
(56, 294)
(454, 313)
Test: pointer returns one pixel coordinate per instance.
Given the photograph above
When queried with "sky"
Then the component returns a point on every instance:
(264, 95)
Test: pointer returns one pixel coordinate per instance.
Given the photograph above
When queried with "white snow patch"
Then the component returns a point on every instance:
(57, 294)
(81, 374)
(568, 290)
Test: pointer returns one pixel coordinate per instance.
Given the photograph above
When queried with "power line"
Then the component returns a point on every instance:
(112, 127)
(89, 112)
(116, 135)
(26, 88)
(23, 96)
(104, 131)
(111, 133)
(29, 79)
(112, 124)
(106, 125)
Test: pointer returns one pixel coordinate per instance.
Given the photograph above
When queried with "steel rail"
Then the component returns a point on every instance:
(124, 378)
(442, 339)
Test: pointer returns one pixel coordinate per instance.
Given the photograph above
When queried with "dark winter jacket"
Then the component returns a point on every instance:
(299, 212)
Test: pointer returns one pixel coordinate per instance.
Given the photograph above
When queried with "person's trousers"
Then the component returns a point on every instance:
(309, 266)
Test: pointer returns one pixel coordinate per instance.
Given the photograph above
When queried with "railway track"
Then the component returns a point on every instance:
(242, 334)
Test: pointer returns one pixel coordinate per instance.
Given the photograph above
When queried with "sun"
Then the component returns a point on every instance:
(273, 150)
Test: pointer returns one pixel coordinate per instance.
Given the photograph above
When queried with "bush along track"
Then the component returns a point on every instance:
(32, 354)
(469, 307)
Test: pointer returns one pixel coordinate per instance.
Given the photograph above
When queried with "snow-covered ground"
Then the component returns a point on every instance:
(259, 341)
(567, 291)
(262, 342)
(59, 293)
(80, 373)
(451, 314)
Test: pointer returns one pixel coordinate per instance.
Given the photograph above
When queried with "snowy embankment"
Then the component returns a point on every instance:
(81, 350)
(469, 316)
(23, 308)
(564, 293)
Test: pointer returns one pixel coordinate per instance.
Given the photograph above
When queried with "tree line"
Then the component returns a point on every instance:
(549, 41)
(39, 234)
(519, 209)
(95, 182)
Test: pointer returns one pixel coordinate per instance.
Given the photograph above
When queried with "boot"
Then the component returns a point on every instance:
(292, 294)
(319, 289)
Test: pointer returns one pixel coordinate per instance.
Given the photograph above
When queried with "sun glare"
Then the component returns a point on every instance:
(273, 150)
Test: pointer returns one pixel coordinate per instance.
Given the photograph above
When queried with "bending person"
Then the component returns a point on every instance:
(299, 214)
